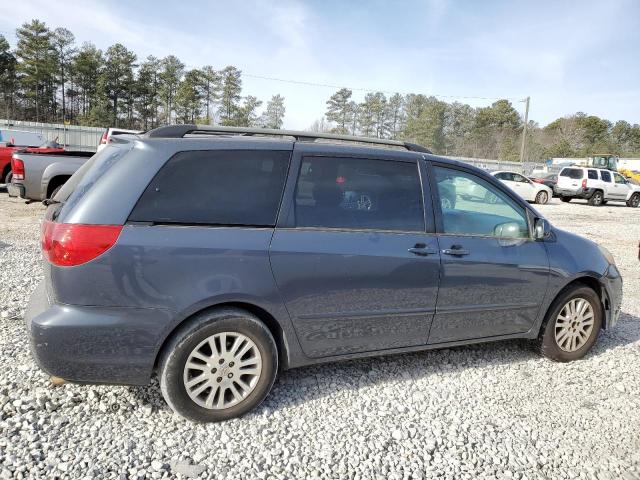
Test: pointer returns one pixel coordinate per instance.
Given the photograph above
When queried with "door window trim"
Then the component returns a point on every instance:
(286, 218)
(529, 214)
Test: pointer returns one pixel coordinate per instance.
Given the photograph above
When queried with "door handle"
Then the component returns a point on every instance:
(421, 250)
(456, 250)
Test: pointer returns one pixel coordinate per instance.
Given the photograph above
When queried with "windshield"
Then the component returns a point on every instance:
(603, 161)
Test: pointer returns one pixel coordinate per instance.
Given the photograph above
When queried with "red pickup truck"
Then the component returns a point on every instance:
(7, 151)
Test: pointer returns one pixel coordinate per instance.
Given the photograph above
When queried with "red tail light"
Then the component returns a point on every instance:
(17, 168)
(68, 244)
(584, 183)
(538, 180)
(103, 139)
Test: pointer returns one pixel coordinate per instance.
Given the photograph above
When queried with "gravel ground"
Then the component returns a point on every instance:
(488, 411)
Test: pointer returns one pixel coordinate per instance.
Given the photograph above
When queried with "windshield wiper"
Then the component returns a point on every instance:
(50, 201)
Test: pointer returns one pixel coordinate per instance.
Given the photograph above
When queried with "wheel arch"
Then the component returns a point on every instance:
(55, 182)
(262, 314)
(5, 171)
(584, 280)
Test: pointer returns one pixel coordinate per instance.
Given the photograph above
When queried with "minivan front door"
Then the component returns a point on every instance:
(356, 268)
(494, 275)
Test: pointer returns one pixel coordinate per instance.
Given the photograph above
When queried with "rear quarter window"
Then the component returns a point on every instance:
(574, 173)
(220, 187)
(593, 174)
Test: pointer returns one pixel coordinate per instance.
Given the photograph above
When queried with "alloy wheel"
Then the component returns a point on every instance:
(222, 370)
(574, 324)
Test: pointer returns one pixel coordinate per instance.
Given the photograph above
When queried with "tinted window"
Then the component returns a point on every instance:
(233, 187)
(504, 176)
(593, 174)
(606, 176)
(475, 207)
(574, 173)
(519, 178)
(359, 194)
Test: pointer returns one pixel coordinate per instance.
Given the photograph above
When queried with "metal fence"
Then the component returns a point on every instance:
(72, 136)
(491, 165)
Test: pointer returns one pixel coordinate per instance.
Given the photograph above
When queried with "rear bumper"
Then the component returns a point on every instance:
(585, 193)
(612, 283)
(16, 190)
(95, 344)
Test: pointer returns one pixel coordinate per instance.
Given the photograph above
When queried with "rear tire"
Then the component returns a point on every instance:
(596, 199)
(561, 326)
(191, 343)
(7, 178)
(55, 191)
(565, 199)
(542, 197)
(634, 201)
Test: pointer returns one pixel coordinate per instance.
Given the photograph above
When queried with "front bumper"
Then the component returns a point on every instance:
(114, 345)
(612, 296)
(16, 190)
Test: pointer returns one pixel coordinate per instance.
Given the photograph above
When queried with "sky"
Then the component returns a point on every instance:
(568, 56)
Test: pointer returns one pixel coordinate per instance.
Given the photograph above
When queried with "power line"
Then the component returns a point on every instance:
(368, 90)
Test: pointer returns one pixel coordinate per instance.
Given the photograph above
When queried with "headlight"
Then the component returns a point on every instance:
(607, 254)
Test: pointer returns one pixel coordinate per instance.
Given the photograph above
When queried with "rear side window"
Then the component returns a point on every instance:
(574, 173)
(230, 187)
(505, 176)
(606, 176)
(593, 174)
(361, 194)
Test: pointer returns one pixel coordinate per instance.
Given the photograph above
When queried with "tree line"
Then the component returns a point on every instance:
(47, 77)
(458, 129)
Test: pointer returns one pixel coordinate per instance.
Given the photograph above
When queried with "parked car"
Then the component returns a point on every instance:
(550, 180)
(7, 151)
(109, 133)
(597, 185)
(530, 191)
(217, 261)
(39, 175)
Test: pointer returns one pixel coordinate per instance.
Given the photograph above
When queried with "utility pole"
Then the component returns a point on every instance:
(524, 130)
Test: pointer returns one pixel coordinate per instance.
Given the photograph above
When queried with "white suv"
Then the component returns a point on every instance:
(596, 185)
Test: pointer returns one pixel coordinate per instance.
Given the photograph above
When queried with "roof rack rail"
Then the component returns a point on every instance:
(179, 131)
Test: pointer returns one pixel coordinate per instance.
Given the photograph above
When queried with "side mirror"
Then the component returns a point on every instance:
(508, 230)
(540, 229)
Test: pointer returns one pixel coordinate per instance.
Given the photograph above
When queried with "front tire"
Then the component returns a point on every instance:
(634, 201)
(572, 324)
(542, 197)
(219, 366)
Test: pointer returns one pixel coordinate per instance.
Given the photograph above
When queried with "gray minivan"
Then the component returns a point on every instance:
(216, 256)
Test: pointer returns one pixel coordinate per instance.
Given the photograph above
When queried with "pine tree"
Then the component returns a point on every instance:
(188, 97)
(230, 91)
(274, 113)
(117, 78)
(395, 115)
(63, 41)
(246, 115)
(86, 67)
(36, 67)
(171, 73)
(338, 109)
(7, 76)
(210, 86)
